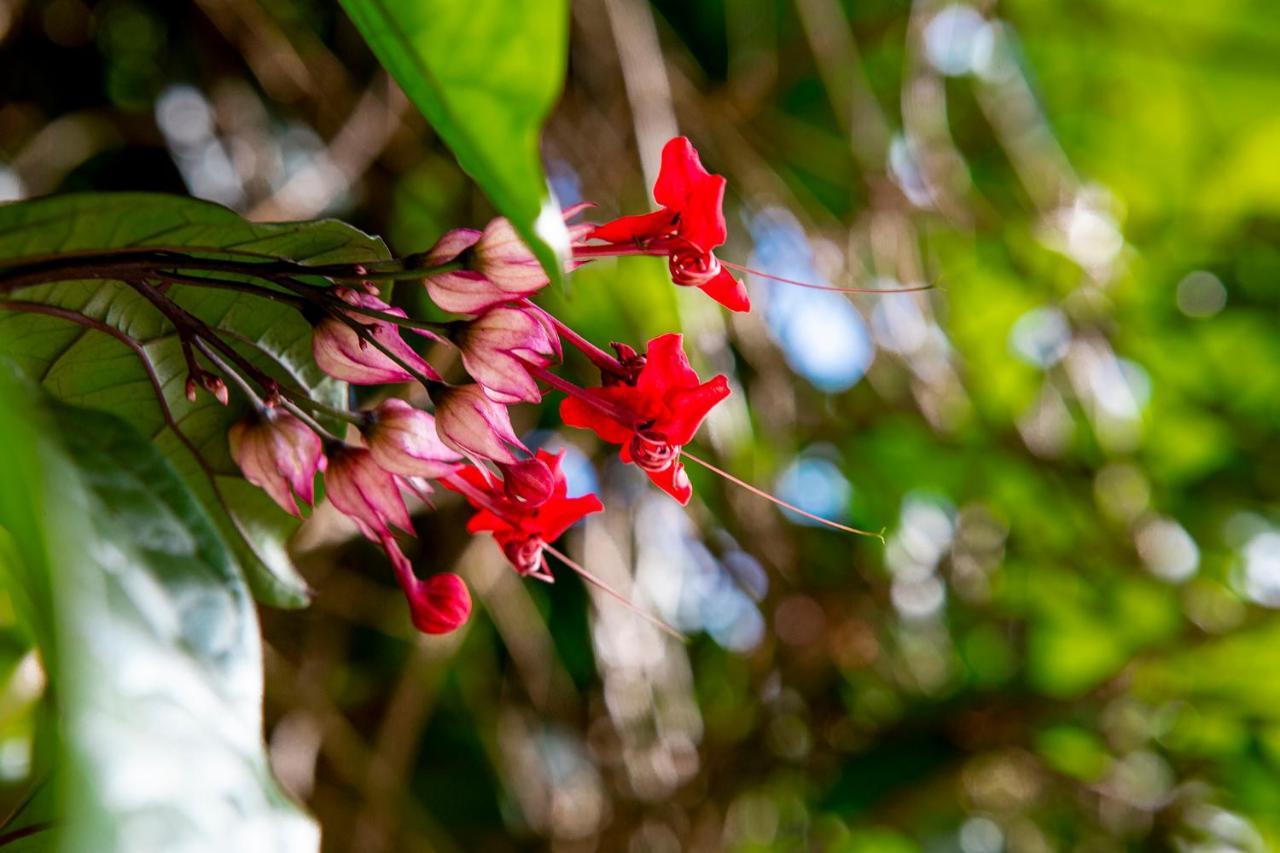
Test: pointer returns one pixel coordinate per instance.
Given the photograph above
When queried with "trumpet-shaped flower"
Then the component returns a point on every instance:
(475, 426)
(687, 228)
(499, 267)
(652, 416)
(366, 493)
(520, 529)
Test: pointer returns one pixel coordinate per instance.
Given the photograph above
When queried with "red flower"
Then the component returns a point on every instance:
(437, 605)
(522, 529)
(689, 226)
(653, 416)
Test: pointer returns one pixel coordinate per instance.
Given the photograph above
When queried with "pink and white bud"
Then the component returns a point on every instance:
(464, 291)
(502, 257)
(451, 245)
(343, 354)
(404, 441)
(438, 605)
(529, 481)
(280, 455)
(370, 496)
(474, 425)
(498, 266)
(496, 347)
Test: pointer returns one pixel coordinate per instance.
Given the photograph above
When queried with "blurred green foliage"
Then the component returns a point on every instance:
(1069, 640)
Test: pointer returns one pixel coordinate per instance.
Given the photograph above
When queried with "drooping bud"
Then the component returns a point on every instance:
(502, 256)
(370, 496)
(280, 455)
(404, 441)
(343, 354)
(438, 605)
(498, 267)
(529, 481)
(464, 291)
(475, 426)
(496, 347)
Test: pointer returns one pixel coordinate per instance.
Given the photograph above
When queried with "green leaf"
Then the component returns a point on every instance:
(485, 73)
(165, 752)
(90, 368)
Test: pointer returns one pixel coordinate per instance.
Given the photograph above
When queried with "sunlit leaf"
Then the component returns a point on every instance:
(485, 73)
(87, 367)
(166, 751)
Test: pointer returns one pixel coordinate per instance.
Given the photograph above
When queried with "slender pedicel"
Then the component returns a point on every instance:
(285, 394)
(779, 501)
(608, 590)
(597, 356)
(620, 415)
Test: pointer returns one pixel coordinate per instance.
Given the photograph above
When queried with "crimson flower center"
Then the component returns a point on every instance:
(691, 267)
(525, 554)
(651, 452)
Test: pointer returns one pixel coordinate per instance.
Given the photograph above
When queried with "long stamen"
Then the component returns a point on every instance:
(828, 288)
(779, 501)
(608, 590)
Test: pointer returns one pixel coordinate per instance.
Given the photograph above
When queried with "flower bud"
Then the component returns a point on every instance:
(528, 481)
(475, 426)
(498, 266)
(440, 604)
(464, 291)
(502, 257)
(496, 347)
(403, 440)
(451, 245)
(279, 454)
(364, 492)
(343, 354)
(437, 605)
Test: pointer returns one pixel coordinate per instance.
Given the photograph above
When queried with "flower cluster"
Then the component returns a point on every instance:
(649, 403)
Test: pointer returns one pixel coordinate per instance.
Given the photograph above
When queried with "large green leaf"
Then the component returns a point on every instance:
(156, 663)
(87, 367)
(485, 73)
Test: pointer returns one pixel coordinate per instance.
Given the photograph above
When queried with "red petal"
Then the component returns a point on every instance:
(666, 366)
(697, 195)
(728, 291)
(485, 521)
(688, 407)
(640, 228)
(558, 515)
(680, 174)
(674, 481)
(579, 413)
